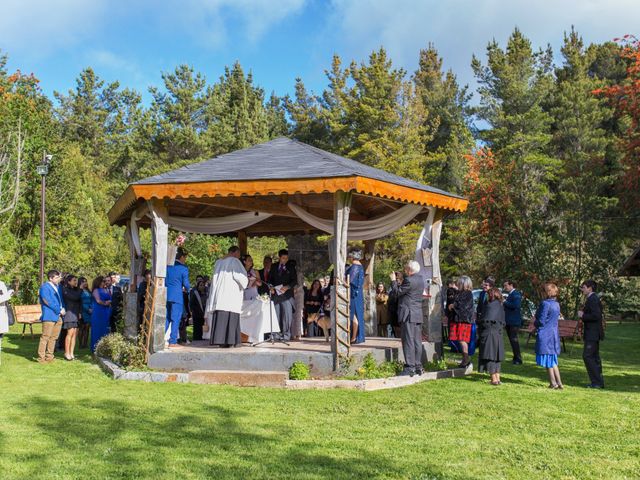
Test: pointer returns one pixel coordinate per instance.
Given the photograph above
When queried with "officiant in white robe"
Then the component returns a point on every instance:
(224, 304)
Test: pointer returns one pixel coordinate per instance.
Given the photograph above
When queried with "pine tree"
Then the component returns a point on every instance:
(446, 136)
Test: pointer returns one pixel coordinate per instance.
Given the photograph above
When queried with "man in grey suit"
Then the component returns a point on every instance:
(409, 295)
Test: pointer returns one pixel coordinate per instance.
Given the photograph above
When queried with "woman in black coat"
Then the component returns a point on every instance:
(490, 340)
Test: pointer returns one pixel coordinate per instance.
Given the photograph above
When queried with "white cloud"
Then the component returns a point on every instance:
(207, 20)
(39, 27)
(460, 28)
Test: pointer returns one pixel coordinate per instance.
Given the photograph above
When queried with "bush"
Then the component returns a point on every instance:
(370, 369)
(121, 351)
(299, 371)
(436, 365)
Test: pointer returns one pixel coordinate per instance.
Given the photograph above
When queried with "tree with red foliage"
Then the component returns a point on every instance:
(625, 98)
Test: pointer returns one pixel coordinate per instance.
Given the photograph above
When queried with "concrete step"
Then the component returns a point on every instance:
(239, 378)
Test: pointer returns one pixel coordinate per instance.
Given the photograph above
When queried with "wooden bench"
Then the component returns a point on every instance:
(27, 315)
(566, 329)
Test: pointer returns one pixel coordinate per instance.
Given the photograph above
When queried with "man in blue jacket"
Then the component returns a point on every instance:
(513, 318)
(52, 305)
(177, 280)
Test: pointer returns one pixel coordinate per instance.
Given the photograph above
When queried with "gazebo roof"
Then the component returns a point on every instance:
(631, 267)
(266, 176)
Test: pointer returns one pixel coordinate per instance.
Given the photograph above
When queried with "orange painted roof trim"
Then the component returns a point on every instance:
(251, 188)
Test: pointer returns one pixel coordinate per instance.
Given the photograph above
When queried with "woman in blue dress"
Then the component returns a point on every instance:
(355, 272)
(101, 311)
(548, 338)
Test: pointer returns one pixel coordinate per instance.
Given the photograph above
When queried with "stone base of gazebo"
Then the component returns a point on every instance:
(278, 357)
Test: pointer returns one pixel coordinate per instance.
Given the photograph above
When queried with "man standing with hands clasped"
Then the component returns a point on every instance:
(409, 295)
(592, 320)
(52, 306)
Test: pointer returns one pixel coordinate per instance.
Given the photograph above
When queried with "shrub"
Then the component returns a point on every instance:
(299, 371)
(370, 369)
(436, 365)
(121, 351)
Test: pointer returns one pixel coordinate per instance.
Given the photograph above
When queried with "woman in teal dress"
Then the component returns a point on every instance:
(101, 311)
(548, 337)
(355, 272)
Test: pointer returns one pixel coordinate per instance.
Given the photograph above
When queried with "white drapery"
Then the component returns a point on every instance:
(363, 230)
(424, 249)
(217, 225)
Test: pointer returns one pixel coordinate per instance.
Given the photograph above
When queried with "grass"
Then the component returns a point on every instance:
(69, 420)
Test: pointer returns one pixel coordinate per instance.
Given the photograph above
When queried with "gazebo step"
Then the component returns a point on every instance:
(239, 378)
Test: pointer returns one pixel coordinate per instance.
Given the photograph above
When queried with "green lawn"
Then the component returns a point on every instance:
(69, 420)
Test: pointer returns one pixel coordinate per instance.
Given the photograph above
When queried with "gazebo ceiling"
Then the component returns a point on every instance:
(266, 177)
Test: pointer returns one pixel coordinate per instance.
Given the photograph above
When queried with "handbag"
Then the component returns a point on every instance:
(205, 327)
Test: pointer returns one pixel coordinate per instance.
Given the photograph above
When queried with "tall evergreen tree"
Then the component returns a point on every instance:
(446, 136)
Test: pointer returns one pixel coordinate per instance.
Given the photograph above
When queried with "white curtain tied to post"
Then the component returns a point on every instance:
(427, 250)
(363, 230)
(217, 225)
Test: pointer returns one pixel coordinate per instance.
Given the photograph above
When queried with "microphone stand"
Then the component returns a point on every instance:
(272, 337)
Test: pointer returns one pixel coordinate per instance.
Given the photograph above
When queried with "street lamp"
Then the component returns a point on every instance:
(43, 170)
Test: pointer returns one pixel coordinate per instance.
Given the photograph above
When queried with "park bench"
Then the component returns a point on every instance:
(566, 329)
(27, 315)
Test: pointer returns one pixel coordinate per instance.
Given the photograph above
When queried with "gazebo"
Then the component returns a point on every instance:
(285, 187)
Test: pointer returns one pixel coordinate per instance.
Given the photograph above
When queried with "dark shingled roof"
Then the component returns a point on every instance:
(280, 159)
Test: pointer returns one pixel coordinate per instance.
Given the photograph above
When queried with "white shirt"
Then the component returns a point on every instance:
(228, 282)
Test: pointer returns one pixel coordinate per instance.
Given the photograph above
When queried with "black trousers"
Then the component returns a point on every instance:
(198, 323)
(512, 333)
(411, 334)
(591, 357)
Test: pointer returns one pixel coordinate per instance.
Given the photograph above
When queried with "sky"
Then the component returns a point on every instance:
(278, 40)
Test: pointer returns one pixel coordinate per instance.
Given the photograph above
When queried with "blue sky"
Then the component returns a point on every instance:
(278, 40)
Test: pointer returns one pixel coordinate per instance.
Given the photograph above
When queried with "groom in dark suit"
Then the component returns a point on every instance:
(283, 274)
(592, 320)
(410, 317)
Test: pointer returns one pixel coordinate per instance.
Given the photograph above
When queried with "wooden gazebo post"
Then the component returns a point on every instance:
(340, 318)
(159, 242)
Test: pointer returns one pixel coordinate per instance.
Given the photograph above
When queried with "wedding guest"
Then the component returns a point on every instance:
(410, 317)
(197, 302)
(116, 301)
(72, 297)
(85, 320)
(285, 278)
(142, 295)
(101, 306)
(225, 301)
(52, 305)
(450, 297)
(490, 340)
(487, 284)
(313, 304)
(548, 337)
(513, 318)
(463, 321)
(176, 282)
(593, 321)
(5, 296)
(184, 318)
(382, 313)
(251, 292)
(355, 273)
(263, 275)
(392, 307)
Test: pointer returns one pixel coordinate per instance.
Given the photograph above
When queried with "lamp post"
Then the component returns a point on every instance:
(43, 170)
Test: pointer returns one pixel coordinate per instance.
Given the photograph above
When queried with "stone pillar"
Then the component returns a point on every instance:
(131, 315)
(340, 320)
(159, 241)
